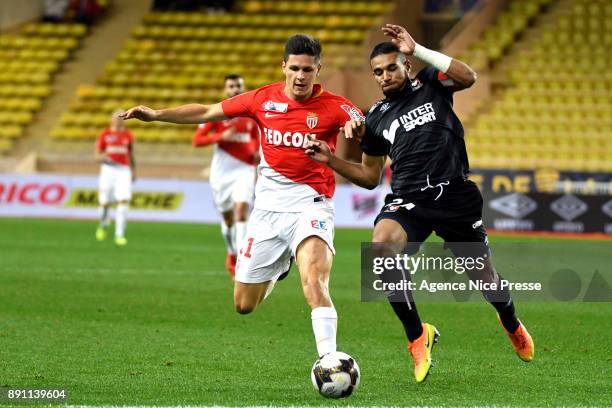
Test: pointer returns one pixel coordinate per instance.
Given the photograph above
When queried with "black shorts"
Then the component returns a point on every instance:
(452, 211)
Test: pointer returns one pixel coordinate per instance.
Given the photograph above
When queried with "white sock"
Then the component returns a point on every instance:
(103, 214)
(324, 324)
(121, 219)
(240, 233)
(227, 233)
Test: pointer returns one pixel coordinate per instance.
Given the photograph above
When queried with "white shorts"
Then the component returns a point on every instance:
(115, 184)
(234, 187)
(272, 239)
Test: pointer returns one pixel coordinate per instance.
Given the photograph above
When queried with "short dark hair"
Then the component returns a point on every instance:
(386, 47)
(231, 77)
(303, 44)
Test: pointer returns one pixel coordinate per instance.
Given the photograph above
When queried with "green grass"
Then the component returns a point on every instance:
(153, 324)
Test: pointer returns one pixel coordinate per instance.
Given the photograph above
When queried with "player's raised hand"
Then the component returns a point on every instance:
(141, 112)
(400, 37)
(354, 129)
(319, 151)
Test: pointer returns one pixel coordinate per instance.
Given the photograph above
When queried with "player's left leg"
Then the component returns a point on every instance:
(123, 194)
(502, 301)
(464, 233)
(312, 246)
(314, 260)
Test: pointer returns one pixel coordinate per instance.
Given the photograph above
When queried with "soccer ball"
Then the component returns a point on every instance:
(335, 375)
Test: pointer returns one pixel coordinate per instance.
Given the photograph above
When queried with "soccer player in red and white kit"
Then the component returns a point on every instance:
(293, 215)
(232, 171)
(115, 152)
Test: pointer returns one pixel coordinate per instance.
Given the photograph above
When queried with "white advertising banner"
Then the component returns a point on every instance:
(74, 196)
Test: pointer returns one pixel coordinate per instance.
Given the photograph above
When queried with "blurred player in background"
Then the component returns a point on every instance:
(293, 214)
(417, 128)
(232, 171)
(115, 152)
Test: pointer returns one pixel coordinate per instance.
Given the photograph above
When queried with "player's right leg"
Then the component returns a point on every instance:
(395, 227)
(222, 197)
(242, 197)
(248, 295)
(104, 198)
(227, 231)
(241, 213)
(103, 213)
(262, 258)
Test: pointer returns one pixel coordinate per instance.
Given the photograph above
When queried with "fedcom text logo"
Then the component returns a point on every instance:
(295, 139)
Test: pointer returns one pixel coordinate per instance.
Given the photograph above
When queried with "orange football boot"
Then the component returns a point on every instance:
(421, 350)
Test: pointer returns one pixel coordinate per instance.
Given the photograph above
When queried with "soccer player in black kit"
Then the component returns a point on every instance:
(416, 127)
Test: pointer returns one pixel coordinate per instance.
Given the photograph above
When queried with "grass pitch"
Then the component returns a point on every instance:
(153, 324)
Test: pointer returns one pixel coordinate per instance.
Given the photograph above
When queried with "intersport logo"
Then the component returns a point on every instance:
(290, 139)
(416, 117)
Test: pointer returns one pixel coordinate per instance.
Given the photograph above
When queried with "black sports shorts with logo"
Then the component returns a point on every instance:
(453, 210)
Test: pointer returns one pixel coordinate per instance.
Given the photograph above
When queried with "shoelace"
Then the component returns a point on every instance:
(439, 185)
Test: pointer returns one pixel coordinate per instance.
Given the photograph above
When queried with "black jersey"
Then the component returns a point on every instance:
(420, 132)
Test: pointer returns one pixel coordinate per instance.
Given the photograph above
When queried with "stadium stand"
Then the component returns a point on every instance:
(178, 57)
(28, 62)
(553, 104)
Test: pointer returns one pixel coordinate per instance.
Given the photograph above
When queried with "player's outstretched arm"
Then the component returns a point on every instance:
(365, 174)
(462, 74)
(185, 114)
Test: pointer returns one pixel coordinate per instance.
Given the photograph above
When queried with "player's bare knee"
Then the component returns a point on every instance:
(385, 236)
(243, 305)
(380, 236)
(243, 308)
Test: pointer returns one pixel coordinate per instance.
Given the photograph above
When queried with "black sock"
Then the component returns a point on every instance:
(501, 300)
(507, 315)
(408, 315)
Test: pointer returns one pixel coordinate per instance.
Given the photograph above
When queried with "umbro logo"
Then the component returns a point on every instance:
(607, 208)
(514, 205)
(568, 207)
